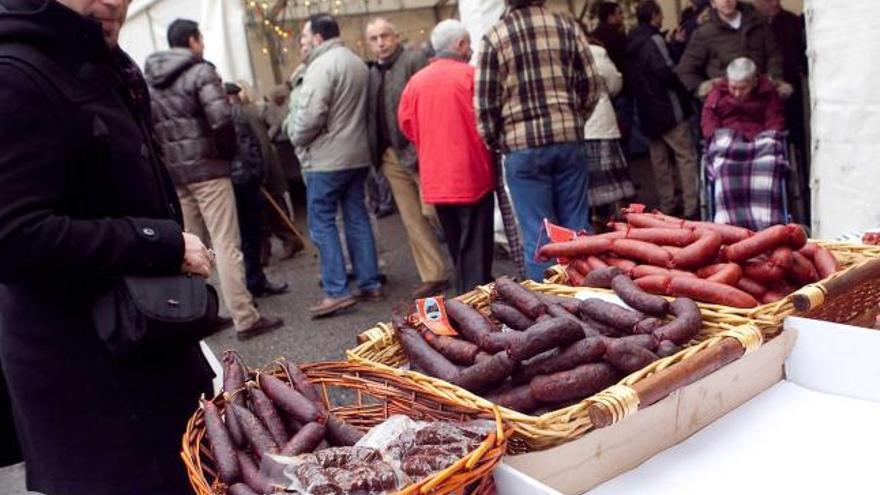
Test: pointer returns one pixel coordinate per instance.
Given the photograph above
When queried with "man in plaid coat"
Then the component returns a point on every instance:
(535, 87)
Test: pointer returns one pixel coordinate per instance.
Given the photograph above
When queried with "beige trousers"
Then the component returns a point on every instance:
(417, 218)
(681, 143)
(209, 212)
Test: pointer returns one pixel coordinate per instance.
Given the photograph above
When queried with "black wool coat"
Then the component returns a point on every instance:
(85, 198)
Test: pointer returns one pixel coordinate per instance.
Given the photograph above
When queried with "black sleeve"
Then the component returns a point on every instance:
(37, 153)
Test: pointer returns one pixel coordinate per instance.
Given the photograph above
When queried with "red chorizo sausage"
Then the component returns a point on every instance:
(655, 284)
(802, 270)
(580, 265)
(761, 242)
(752, 287)
(826, 263)
(645, 252)
(782, 257)
(575, 279)
(700, 252)
(797, 237)
(729, 274)
(763, 272)
(729, 233)
(595, 262)
(645, 220)
(662, 236)
(577, 248)
(625, 265)
(711, 292)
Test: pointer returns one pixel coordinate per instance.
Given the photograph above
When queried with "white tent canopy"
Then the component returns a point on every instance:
(222, 23)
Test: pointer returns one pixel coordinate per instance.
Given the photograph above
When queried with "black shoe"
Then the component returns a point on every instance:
(263, 325)
(269, 289)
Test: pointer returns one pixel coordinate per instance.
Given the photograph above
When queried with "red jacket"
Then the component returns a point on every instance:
(760, 111)
(436, 114)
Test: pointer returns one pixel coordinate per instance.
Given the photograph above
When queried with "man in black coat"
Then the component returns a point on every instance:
(663, 106)
(86, 199)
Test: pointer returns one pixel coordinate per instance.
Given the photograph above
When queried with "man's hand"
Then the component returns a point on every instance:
(197, 259)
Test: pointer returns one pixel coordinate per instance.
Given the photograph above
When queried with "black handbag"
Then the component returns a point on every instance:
(142, 313)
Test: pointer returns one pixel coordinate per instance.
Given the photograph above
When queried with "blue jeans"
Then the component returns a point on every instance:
(325, 192)
(548, 182)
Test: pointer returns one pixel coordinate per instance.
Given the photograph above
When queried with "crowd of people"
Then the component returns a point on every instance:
(124, 190)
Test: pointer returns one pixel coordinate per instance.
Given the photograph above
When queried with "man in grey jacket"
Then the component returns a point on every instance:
(194, 128)
(331, 140)
(395, 156)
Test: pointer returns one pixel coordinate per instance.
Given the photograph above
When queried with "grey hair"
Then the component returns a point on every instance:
(741, 69)
(446, 34)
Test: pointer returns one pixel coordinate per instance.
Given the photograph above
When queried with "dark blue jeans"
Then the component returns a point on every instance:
(326, 192)
(548, 182)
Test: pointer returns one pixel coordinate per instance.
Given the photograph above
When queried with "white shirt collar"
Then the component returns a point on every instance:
(736, 22)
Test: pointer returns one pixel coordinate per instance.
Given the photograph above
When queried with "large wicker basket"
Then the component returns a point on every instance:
(858, 305)
(381, 349)
(370, 397)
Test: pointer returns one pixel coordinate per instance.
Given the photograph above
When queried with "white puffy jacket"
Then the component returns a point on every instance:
(603, 122)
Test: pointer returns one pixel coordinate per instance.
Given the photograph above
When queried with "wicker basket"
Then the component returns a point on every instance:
(380, 349)
(372, 396)
(858, 306)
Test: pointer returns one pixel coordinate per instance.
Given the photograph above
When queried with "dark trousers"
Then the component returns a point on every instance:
(469, 230)
(249, 202)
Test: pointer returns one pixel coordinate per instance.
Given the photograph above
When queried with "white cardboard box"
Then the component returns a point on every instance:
(794, 435)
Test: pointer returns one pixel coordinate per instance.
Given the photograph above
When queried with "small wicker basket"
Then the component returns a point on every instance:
(372, 396)
(858, 305)
(381, 350)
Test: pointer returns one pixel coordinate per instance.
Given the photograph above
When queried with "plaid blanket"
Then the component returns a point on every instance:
(748, 178)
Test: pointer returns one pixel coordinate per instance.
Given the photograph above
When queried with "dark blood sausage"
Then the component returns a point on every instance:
(424, 356)
(482, 356)
(498, 341)
(482, 376)
(645, 252)
(233, 377)
(577, 383)
(611, 314)
(521, 298)
(802, 270)
(251, 475)
(544, 336)
(623, 264)
(301, 382)
(699, 253)
(469, 322)
(569, 304)
(268, 415)
(638, 299)
(667, 348)
(256, 433)
(581, 352)
(597, 328)
(601, 277)
(341, 433)
(287, 399)
(458, 351)
(752, 287)
(510, 316)
(241, 489)
(577, 248)
(648, 325)
(234, 426)
(647, 341)
(221, 445)
(556, 311)
(763, 241)
(305, 440)
(763, 271)
(685, 326)
(627, 356)
(518, 398)
(662, 236)
(711, 292)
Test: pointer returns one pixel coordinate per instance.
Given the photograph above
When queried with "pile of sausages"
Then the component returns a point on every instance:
(539, 352)
(263, 414)
(713, 263)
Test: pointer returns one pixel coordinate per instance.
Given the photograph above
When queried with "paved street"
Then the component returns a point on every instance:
(305, 340)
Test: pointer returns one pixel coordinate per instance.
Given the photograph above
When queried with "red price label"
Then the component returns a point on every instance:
(431, 312)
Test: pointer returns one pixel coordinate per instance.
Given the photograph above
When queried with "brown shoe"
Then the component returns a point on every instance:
(291, 249)
(263, 325)
(428, 289)
(370, 295)
(330, 305)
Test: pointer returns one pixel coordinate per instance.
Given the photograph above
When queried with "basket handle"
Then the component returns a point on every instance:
(662, 383)
(814, 295)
